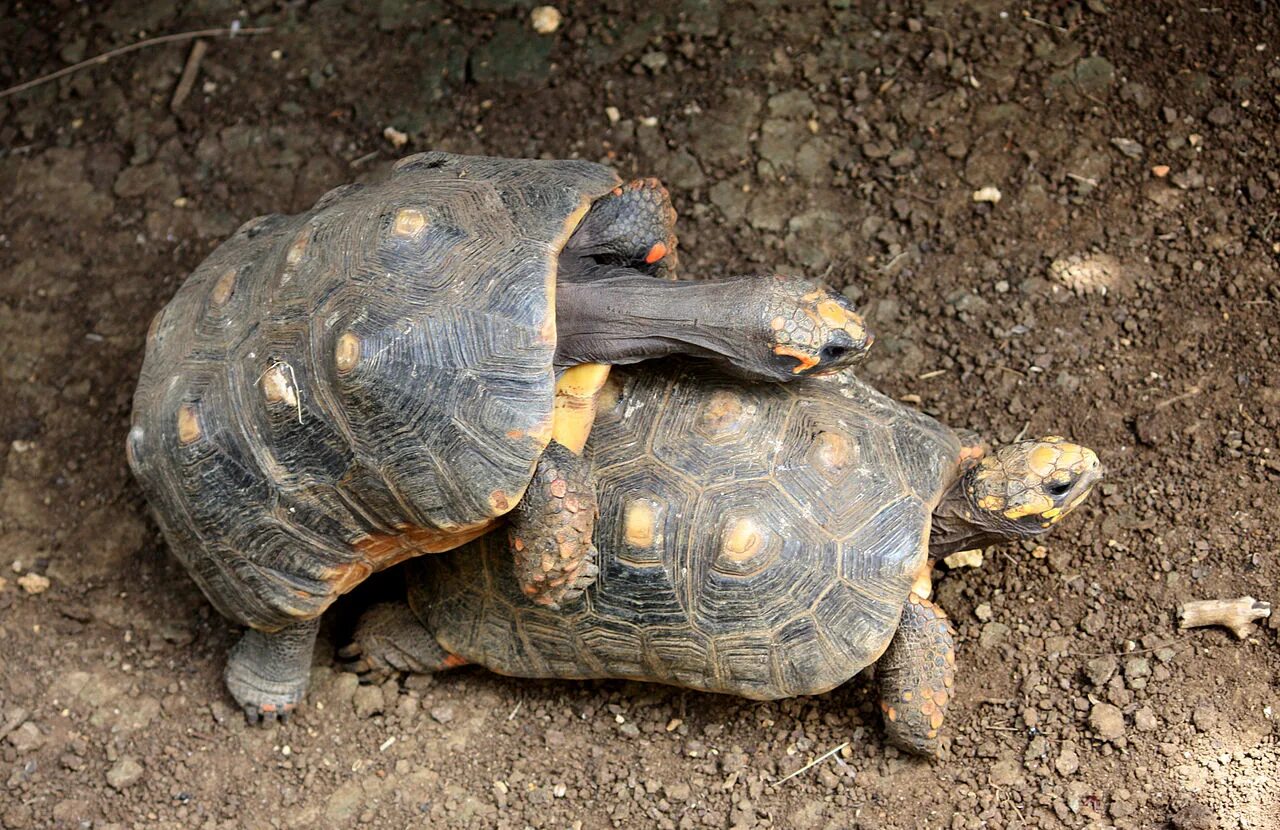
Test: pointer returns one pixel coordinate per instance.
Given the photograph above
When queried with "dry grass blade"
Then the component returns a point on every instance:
(824, 756)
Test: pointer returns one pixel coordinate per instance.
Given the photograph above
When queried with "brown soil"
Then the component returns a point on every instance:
(843, 140)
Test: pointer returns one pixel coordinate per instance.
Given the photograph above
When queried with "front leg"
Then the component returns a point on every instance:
(916, 675)
(551, 528)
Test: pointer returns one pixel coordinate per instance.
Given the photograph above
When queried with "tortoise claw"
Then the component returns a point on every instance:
(267, 714)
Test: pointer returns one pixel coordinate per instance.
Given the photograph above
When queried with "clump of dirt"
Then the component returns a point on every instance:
(843, 140)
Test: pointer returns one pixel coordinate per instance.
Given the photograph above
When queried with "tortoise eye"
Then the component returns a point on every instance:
(1058, 488)
(832, 353)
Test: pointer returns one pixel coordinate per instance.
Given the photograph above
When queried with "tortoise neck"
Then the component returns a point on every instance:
(955, 524)
(617, 315)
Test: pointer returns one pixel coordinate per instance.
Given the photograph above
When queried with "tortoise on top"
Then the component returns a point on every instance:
(754, 539)
(332, 392)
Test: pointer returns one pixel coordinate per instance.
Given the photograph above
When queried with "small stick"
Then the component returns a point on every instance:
(189, 73)
(132, 47)
(824, 756)
(1235, 614)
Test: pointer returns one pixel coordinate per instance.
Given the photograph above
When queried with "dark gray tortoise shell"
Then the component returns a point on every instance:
(755, 539)
(331, 387)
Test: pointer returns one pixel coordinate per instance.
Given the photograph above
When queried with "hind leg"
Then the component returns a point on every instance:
(390, 639)
(267, 673)
(916, 675)
(634, 225)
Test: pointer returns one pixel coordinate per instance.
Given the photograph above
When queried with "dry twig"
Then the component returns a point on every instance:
(124, 50)
(1235, 614)
(189, 73)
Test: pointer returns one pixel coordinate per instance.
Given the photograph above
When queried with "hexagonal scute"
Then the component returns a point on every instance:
(835, 466)
(713, 428)
(883, 556)
(755, 562)
(627, 407)
(643, 511)
(928, 454)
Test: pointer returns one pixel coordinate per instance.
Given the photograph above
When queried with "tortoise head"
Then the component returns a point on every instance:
(808, 330)
(1018, 491)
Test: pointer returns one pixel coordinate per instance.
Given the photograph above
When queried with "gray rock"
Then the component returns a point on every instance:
(1007, 773)
(795, 104)
(993, 633)
(1095, 75)
(1145, 720)
(368, 701)
(1129, 147)
(515, 53)
(1107, 721)
(780, 138)
(731, 199)
(1221, 115)
(125, 773)
(26, 737)
(722, 135)
(1068, 760)
(344, 687)
(1205, 717)
(681, 170)
(442, 713)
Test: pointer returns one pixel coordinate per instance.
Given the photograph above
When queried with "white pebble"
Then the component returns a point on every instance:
(545, 19)
(988, 194)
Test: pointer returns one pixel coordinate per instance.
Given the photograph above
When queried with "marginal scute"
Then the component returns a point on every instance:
(189, 429)
(154, 328)
(347, 353)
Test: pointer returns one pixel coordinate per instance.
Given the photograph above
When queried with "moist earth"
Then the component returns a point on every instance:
(1060, 217)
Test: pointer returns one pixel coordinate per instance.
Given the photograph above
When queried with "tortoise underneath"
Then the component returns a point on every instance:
(754, 539)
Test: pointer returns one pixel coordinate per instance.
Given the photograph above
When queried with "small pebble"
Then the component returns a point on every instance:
(988, 194)
(545, 19)
(124, 773)
(1068, 760)
(397, 138)
(1107, 721)
(368, 701)
(26, 737)
(442, 714)
(34, 583)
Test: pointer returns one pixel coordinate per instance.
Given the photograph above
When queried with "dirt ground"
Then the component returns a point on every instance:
(1124, 290)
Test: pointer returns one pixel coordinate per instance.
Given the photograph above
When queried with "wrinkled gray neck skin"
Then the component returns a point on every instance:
(958, 524)
(617, 315)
